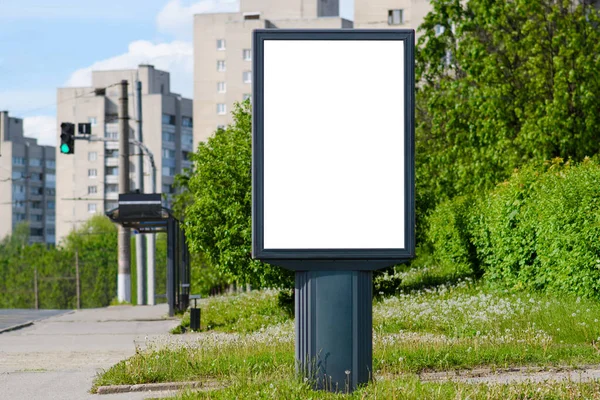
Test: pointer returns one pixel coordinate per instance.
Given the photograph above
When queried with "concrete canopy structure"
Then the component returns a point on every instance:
(87, 181)
(223, 56)
(27, 183)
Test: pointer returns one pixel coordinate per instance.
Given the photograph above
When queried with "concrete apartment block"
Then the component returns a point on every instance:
(27, 183)
(88, 181)
(223, 52)
(390, 14)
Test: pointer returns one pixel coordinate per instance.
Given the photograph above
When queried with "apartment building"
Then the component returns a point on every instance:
(390, 14)
(223, 52)
(27, 183)
(88, 180)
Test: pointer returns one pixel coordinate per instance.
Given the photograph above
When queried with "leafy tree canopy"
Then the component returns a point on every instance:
(501, 83)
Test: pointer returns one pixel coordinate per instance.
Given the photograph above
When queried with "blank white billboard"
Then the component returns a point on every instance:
(334, 137)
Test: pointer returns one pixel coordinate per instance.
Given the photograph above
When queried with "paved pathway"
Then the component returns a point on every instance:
(58, 357)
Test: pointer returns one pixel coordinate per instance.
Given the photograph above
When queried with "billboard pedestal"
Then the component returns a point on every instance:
(334, 328)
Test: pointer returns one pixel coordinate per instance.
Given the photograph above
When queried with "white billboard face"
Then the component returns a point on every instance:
(333, 163)
(334, 144)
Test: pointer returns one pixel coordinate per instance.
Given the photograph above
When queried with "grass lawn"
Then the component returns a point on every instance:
(449, 326)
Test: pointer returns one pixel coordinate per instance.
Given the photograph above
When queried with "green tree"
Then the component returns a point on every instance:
(218, 212)
(501, 83)
(96, 246)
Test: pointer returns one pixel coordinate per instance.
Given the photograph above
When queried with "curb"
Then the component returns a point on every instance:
(16, 327)
(155, 387)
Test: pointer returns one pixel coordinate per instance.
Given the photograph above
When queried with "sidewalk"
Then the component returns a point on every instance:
(57, 358)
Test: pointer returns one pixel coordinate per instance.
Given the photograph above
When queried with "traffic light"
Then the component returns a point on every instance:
(67, 138)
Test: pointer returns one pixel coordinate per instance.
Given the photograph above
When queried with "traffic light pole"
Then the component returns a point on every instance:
(140, 249)
(124, 274)
(151, 243)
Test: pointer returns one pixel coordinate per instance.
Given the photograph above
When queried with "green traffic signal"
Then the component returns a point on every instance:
(67, 138)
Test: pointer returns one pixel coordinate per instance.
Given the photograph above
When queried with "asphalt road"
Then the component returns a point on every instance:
(15, 317)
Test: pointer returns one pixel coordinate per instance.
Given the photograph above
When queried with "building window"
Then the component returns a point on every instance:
(92, 173)
(92, 156)
(168, 137)
(251, 15)
(221, 87)
(187, 140)
(220, 44)
(221, 65)
(109, 205)
(92, 189)
(247, 55)
(168, 189)
(395, 17)
(247, 96)
(19, 217)
(50, 231)
(36, 177)
(111, 153)
(111, 135)
(221, 109)
(50, 205)
(34, 162)
(93, 121)
(187, 122)
(36, 231)
(247, 77)
(18, 160)
(168, 153)
(18, 189)
(91, 207)
(112, 188)
(220, 127)
(168, 171)
(50, 219)
(50, 164)
(19, 204)
(36, 217)
(168, 119)
(50, 192)
(36, 204)
(112, 171)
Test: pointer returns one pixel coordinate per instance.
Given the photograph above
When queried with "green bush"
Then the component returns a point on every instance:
(541, 229)
(450, 235)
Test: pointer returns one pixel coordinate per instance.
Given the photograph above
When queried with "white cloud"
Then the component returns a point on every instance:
(42, 128)
(175, 57)
(177, 19)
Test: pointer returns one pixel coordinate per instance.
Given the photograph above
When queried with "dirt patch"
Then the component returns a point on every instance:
(516, 375)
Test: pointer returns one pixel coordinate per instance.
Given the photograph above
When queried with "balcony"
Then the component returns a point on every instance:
(111, 145)
(111, 179)
(112, 162)
(111, 196)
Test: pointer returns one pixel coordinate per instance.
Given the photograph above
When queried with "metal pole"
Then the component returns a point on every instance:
(334, 322)
(77, 282)
(139, 178)
(151, 242)
(124, 276)
(171, 243)
(35, 289)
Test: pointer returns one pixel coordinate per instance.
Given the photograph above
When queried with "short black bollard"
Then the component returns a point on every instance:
(195, 314)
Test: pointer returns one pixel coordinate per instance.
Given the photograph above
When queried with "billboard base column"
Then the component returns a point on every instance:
(334, 328)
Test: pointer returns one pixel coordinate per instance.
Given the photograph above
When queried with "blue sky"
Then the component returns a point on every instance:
(49, 44)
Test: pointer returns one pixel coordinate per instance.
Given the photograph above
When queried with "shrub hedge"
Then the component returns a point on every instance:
(538, 230)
